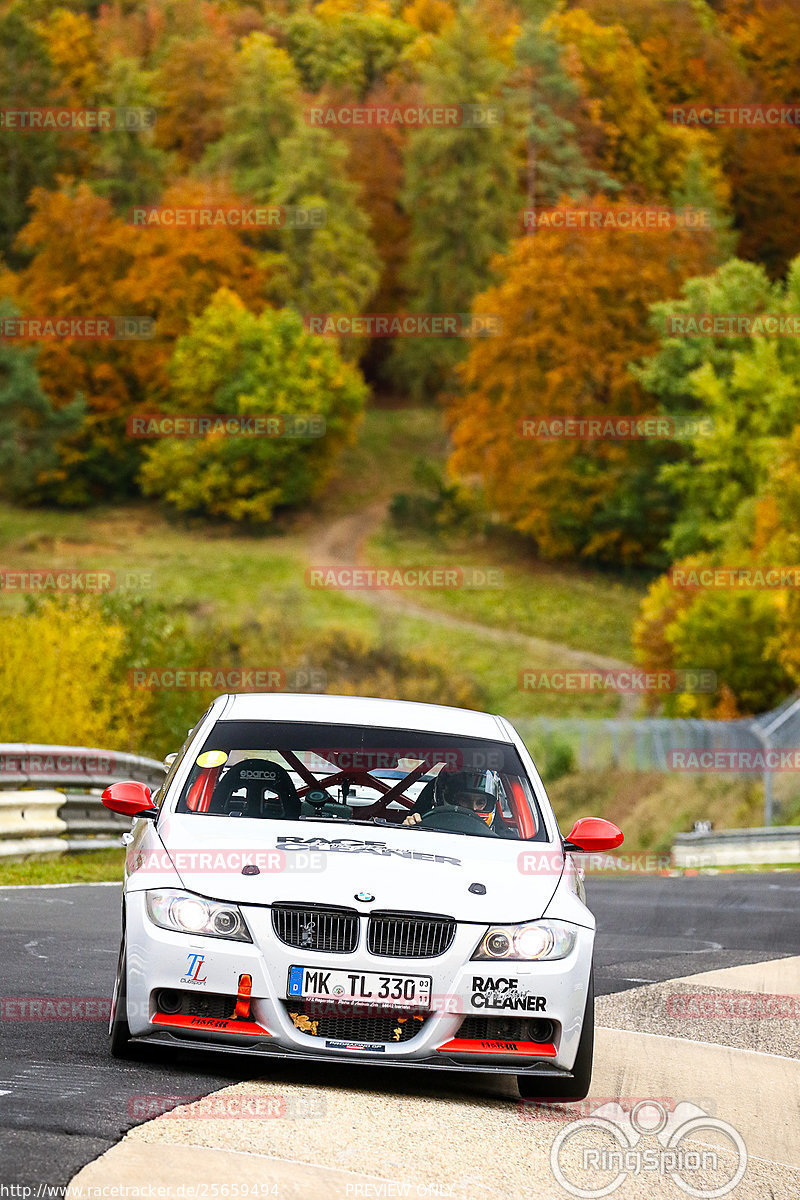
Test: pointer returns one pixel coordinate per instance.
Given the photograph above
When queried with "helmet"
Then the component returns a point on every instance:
(463, 789)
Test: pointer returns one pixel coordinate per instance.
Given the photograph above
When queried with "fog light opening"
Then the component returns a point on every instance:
(169, 1001)
(541, 1031)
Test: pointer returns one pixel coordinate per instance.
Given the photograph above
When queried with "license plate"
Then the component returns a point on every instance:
(394, 991)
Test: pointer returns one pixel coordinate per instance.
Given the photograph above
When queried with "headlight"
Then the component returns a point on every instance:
(534, 940)
(185, 913)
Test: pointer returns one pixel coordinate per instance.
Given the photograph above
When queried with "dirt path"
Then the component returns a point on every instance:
(341, 544)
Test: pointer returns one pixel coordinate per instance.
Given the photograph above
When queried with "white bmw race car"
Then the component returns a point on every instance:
(330, 877)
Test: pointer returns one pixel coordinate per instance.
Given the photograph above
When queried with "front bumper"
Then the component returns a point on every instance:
(160, 959)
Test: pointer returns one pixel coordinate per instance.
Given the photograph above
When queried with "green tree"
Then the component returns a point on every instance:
(262, 112)
(26, 160)
(128, 167)
(461, 193)
(743, 392)
(233, 362)
(351, 49)
(30, 427)
(331, 264)
(556, 164)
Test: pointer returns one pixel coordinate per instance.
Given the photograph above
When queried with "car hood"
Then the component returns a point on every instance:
(321, 862)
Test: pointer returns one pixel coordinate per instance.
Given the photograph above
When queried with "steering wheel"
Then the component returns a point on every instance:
(317, 798)
(452, 818)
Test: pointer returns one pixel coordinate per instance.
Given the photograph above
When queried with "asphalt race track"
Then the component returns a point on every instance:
(64, 1101)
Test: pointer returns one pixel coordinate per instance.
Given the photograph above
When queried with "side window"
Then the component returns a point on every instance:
(158, 797)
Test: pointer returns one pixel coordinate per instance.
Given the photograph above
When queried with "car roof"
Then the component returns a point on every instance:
(367, 711)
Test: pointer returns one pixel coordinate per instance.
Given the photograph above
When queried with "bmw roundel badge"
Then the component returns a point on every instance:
(366, 897)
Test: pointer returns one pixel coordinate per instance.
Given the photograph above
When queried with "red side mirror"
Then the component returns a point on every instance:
(594, 833)
(129, 798)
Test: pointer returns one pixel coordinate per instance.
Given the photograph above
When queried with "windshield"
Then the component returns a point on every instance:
(341, 774)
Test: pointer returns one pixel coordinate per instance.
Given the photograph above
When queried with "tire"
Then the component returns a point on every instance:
(534, 1087)
(118, 1029)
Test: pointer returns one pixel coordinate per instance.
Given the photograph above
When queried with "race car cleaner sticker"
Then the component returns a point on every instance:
(502, 992)
(212, 758)
(352, 846)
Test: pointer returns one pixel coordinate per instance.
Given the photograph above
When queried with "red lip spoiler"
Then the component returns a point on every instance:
(211, 1024)
(498, 1046)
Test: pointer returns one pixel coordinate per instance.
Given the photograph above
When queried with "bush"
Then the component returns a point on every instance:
(233, 362)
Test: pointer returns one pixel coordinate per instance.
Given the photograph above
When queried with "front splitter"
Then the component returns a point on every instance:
(442, 1062)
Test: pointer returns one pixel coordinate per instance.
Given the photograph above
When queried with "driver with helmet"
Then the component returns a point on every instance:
(458, 789)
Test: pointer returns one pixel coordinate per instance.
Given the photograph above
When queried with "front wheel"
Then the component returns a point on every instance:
(118, 1030)
(533, 1087)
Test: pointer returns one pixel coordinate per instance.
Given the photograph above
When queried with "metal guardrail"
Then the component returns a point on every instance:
(738, 847)
(50, 797)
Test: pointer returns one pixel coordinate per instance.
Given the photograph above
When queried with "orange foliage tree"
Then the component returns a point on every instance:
(87, 262)
(574, 311)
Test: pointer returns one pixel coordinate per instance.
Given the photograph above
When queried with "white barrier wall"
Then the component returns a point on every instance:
(30, 824)
(738, 847)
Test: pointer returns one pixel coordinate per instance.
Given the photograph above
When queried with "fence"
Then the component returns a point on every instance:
(645, 745)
